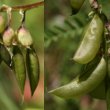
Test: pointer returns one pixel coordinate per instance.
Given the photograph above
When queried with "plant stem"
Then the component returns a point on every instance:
(33, 109)
(94, 4)
(108, 96)
(22, 7)
(108, 70)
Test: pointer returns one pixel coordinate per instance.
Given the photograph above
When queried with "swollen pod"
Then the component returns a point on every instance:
(32, 64)
(19, 67)
(91, 41)
(78, 88)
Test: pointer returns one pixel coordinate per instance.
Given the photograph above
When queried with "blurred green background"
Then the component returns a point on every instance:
(63, 34)
(10, 98)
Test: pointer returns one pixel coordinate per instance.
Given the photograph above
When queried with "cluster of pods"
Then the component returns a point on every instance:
(93, 54)
(17, 51)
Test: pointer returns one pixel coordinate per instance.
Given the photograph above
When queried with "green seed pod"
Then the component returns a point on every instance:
(5, 55)
(0, 59)
(8, 36)
(32, 64)
(91, 42)
(76, 5)
(108, 60)
(19, 67)
(24, 37)
(99, 92)
(78, 88)
(89, 68)
(2, 24)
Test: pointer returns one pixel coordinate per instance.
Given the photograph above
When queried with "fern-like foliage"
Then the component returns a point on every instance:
(62, 38)
(70, 27)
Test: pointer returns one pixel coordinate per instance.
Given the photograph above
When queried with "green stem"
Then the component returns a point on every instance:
(107, 54)
(108, 96)
(22, 7)
(94, 4)
(33, 109)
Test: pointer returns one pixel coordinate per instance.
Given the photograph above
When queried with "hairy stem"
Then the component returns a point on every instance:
(108, 98)
(94, 4)
(108, 63)
(22, 7)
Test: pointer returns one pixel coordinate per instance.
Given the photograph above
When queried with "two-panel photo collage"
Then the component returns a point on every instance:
(54, 54)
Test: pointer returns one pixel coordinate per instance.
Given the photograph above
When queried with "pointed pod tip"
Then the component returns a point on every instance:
(57, 93)
(54, 92)
(21, 91)
(76, 58)
(81, 60)
(32, 91)
(50, 92)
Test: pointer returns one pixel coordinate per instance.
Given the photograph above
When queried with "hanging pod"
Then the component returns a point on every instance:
(108, 60)
(8, 36)
(5, 55)
(90, 44)
(80, 87)
(99, 92)
(24, 37)
(18, 66)
(76, 5)
(33, 69)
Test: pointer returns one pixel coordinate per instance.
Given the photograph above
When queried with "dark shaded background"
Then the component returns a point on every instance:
(63, 33)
